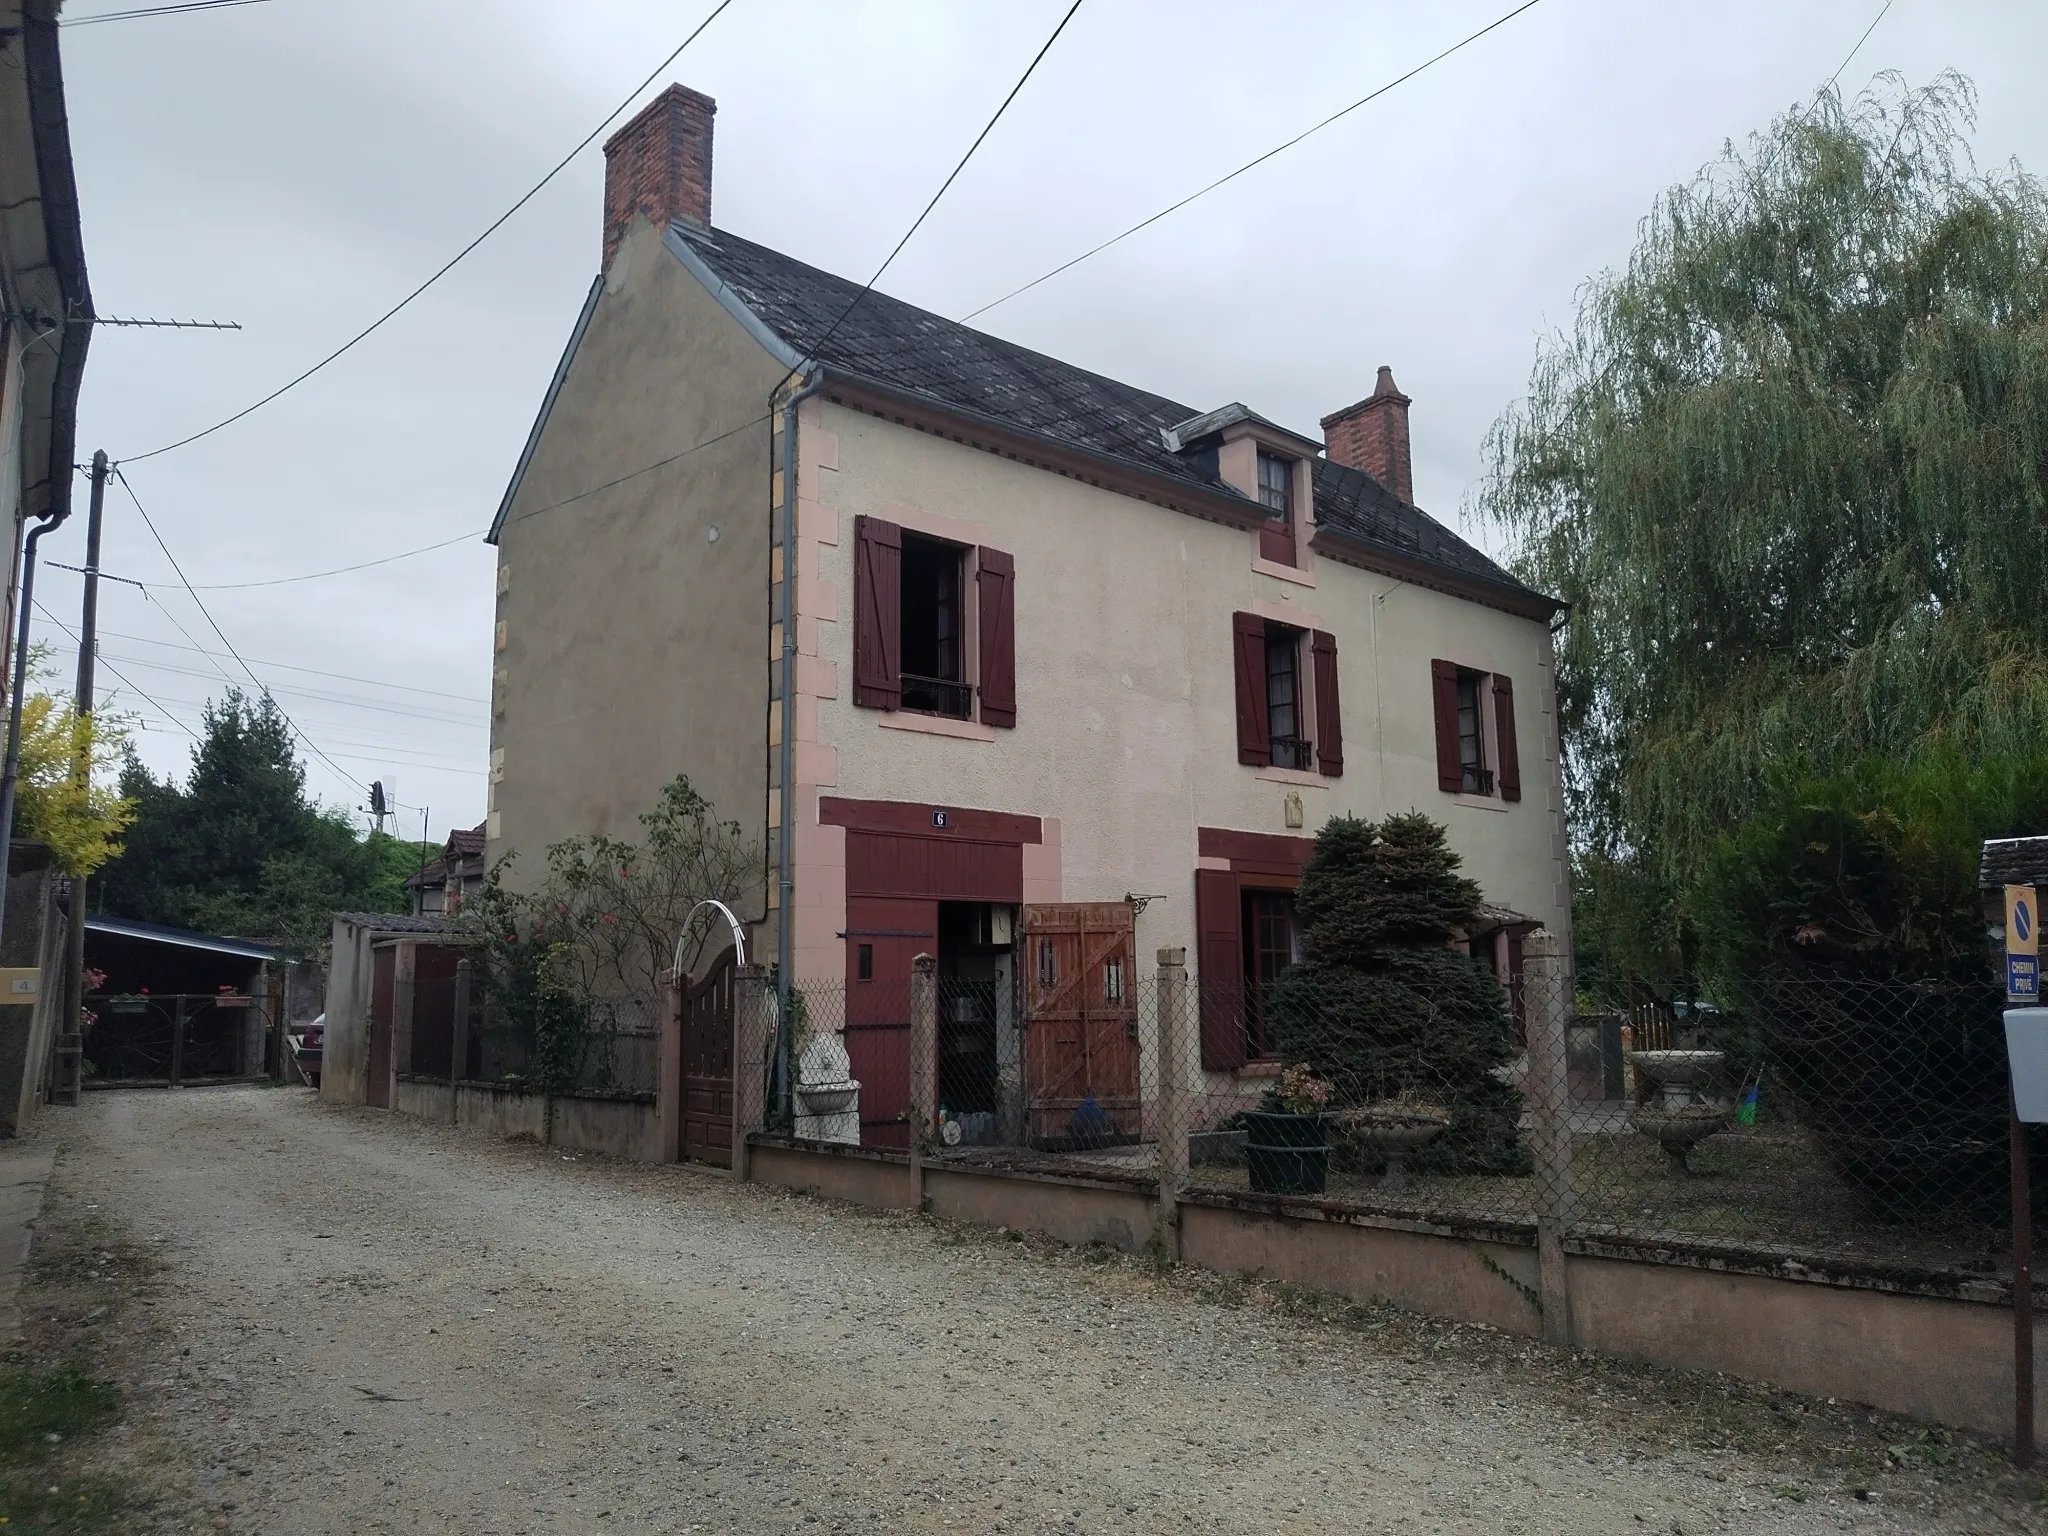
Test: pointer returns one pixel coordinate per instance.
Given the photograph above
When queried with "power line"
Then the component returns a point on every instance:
(285, 581)
(819, 346)
(286, 666)
(1277, 149)
(396, 711)
(181, 725)
(150, 523)
(449, 265)
(1837, 75)
(154, 10)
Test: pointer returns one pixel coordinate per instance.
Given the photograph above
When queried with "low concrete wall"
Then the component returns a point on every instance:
(884, 1180)
(1074, 1211)
(1894, 1343)
(1928, 1356)
(1470, 1278)
(626, 1128)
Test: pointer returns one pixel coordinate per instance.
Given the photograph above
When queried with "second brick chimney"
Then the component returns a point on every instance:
(659, 165)
(1373, 436)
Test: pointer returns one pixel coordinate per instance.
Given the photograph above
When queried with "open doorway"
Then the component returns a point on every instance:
(977, 1012)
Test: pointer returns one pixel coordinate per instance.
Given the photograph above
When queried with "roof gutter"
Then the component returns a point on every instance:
(993, 435)
(65, 244)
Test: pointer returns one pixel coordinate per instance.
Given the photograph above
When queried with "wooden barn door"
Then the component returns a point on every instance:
(1080, 1020)
(707, 1065)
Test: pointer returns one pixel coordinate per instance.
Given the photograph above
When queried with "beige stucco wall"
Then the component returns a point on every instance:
(632, 647)
(1126, 725)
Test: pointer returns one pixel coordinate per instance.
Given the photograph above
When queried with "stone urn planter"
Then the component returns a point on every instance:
(1286, 1154)
(1390, 1131)
(1677, 1120)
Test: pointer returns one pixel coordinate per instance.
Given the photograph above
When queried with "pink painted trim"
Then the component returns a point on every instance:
(1292, 776)
(1291, 573)
(1286, 613)
(936, 524)
(935, 725)
(1042, 877)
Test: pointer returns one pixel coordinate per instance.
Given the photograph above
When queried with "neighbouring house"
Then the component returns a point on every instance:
(1007, 662)
(441, 885)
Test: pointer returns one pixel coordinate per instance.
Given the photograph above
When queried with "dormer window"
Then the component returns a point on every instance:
(1276, 494)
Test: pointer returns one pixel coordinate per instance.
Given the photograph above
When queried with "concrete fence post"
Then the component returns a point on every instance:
(668, 1070)
(1171, 1115)
(1547, 1002)
(458, 1046)
(752, 1007)
(924, 1064)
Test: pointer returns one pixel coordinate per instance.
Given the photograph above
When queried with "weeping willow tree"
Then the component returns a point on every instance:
(1790, 469)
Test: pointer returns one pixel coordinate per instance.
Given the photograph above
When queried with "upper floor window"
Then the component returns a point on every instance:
(1288, 715)
(918, 602)
(1287, 743)
(1475, 732)
(1276, 495)
(933, 660)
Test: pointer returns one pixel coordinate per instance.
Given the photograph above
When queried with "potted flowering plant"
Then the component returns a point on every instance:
(1286, 1151)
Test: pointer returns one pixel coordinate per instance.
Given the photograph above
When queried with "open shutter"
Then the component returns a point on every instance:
(1219, 961)
(1329, 715)
(877, 613)
(995, 584)
(1450, 769)
(1248, 644)
(1507, 773)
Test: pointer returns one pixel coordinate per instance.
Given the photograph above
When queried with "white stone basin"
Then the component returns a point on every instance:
(828, 1098)
(1678, 1069)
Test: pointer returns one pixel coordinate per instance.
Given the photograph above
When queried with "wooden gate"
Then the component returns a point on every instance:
(1080, 1022)
(707, 1065)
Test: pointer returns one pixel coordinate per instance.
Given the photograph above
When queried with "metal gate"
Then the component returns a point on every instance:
(707, 1065)
(172, 1039)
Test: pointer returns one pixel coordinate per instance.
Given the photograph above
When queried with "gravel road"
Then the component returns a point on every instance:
(360, 1322)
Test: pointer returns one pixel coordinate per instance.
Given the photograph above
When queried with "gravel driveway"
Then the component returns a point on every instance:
(362, 1322)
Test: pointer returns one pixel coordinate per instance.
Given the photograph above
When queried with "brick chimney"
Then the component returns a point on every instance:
(659, 165)
(1373, 436)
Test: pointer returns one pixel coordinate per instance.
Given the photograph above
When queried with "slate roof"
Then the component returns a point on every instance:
(906, 348)
(2013, 861)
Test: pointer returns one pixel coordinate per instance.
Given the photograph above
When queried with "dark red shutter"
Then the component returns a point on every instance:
(1329, 716)
(877, 613)
(1219, 969)
(1450, 768)
(995, 581)
(1248, 643)
(1507, 773)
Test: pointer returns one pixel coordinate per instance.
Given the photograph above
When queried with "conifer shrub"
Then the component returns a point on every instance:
(1384, 1007)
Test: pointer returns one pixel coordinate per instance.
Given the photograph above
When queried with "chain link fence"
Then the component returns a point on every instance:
(1834, 1121)
(610, 1047)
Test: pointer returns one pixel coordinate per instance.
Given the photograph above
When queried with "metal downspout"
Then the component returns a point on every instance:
(12, 774)
(786, 789)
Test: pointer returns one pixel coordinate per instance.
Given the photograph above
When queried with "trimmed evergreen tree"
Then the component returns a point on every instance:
(1383, 1007)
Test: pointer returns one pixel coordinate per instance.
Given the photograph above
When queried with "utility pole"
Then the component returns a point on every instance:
(74, 968)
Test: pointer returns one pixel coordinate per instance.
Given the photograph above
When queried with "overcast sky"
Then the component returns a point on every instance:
(297, 165)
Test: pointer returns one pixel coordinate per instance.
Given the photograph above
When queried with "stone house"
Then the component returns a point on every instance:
(1004, 660)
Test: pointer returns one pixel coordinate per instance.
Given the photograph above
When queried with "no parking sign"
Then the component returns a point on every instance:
(2022, 946)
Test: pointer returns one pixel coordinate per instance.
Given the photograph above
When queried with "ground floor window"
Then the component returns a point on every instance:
(1272, 942)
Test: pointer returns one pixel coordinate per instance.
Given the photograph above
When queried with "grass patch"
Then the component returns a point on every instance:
(41, 1409)
(44, 1413)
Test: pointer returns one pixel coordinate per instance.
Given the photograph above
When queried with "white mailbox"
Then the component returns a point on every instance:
(2026, 1048)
